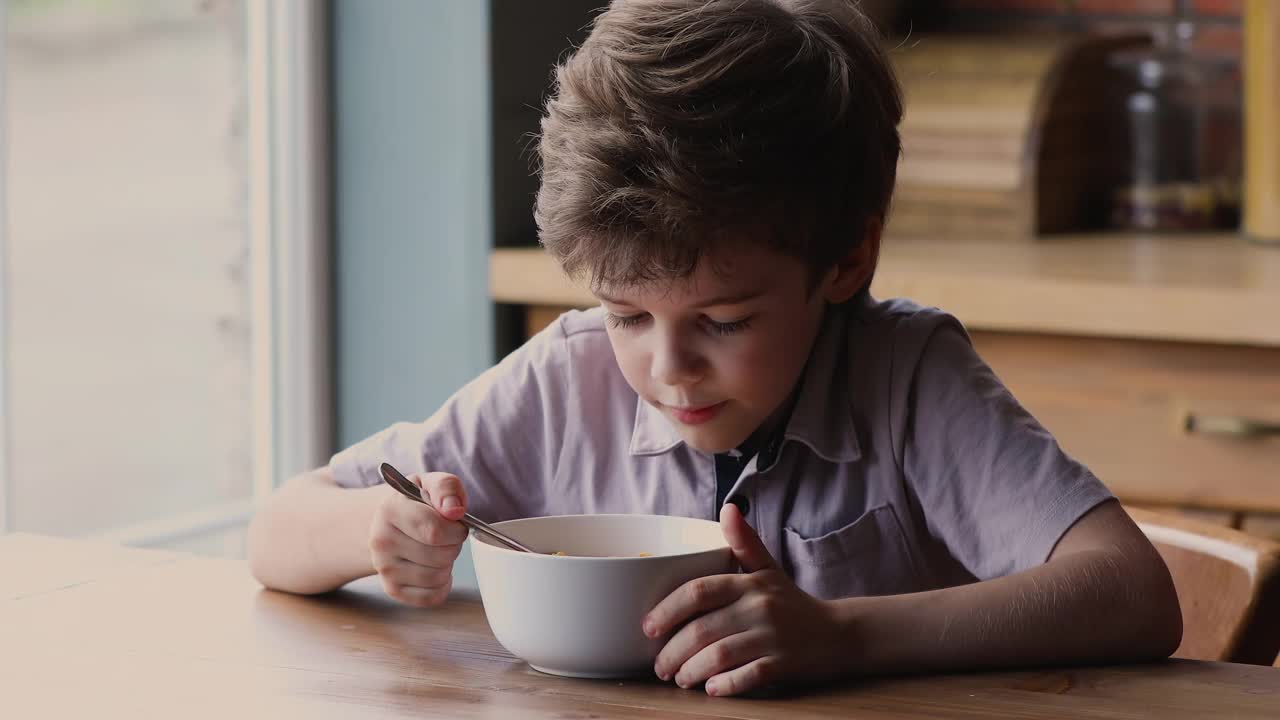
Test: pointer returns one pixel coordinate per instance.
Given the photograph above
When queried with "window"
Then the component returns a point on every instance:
(154, 214)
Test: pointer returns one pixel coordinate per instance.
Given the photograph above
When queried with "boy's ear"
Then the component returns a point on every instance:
(853, 271)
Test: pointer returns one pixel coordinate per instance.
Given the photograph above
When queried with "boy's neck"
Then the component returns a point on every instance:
(770, 432)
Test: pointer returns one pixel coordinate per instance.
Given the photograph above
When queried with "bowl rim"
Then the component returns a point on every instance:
(490, 545)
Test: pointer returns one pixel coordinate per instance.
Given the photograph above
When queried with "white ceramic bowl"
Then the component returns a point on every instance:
(580, 616)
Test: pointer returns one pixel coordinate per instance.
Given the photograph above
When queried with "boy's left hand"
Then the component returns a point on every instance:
(744, 630)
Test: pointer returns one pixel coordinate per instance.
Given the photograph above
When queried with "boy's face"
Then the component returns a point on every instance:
(720, 352)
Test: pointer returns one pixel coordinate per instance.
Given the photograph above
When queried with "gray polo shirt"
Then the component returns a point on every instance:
(905, 465)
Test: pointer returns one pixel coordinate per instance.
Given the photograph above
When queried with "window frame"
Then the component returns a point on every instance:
(6, 488)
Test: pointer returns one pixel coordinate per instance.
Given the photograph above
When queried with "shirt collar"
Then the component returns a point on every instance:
(653, 434)
(822, 418)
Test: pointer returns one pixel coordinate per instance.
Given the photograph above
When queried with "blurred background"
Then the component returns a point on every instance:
(240, 234)
(127, 335)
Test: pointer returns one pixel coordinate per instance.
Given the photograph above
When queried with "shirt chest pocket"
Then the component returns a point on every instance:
(866, 557)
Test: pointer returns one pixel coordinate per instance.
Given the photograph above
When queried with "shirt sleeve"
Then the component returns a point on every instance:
(497, 434)
(993, 484)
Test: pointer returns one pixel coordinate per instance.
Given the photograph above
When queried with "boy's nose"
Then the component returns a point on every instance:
(675, 366)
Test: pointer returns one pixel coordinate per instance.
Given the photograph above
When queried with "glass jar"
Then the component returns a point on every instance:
(1163, 92)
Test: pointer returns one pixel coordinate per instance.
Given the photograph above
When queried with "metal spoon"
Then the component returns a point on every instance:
(406, 487)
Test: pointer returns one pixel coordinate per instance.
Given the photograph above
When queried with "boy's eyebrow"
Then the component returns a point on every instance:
(732, 298)
(608, 298)
(727, 299)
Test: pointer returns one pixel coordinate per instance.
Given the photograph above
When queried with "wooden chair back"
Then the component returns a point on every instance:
(1228, 584)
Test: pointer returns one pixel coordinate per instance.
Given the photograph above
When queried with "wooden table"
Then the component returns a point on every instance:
(90, 630)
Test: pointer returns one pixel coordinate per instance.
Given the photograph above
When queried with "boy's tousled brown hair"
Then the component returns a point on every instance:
(682, 124)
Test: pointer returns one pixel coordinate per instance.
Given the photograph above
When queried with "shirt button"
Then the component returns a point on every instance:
(743, 504)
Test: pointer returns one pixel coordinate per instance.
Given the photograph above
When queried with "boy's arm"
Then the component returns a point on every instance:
(313, 536)
(497, 431)
(1104, 596)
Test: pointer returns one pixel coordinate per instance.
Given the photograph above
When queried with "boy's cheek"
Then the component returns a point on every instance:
(634, 371)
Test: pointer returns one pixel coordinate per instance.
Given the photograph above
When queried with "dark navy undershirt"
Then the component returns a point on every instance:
(728, 469)
(729, 466)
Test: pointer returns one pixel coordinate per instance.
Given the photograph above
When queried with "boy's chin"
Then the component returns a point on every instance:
(709, 441)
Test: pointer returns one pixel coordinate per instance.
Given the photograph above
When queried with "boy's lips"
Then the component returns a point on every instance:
(695, 414)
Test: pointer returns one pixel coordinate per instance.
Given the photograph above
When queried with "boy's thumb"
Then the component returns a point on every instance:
(446, 494)
(747, 546)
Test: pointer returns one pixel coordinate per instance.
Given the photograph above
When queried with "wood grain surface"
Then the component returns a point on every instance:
(131, 633)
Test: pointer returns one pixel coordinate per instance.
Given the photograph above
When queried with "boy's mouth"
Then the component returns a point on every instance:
(695, 415)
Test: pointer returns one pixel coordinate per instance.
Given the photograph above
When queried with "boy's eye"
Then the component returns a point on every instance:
(626, 321)
(729, 328)
(716, 327)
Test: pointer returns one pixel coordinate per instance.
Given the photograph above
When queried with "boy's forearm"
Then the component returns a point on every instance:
(1081, 608)
(312, 536)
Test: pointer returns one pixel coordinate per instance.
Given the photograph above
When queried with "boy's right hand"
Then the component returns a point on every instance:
(414, 546)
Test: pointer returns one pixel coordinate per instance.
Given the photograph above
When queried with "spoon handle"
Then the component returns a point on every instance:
(483, 527)
(403, 485)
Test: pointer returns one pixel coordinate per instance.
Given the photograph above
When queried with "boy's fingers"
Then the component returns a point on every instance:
(695, 597)
(747, 546)
(445, 492)
(426, 526)
(416, 596)
(722, 656)
(408, 574)
(400, 545)
(692, 640)
(753, 675)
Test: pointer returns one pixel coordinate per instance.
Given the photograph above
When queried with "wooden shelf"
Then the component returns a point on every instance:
(1214, 288)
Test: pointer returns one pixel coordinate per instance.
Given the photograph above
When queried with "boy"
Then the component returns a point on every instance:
(719, 171)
